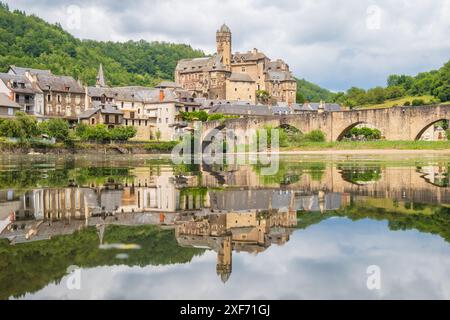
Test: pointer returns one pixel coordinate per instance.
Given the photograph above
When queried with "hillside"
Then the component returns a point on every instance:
(307, 91)
(30, 41)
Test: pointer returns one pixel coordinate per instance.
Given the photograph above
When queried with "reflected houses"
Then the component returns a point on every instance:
(245, 231)
(41, 213)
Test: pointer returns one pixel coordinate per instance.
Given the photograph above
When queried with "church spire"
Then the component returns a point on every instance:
(100, 77)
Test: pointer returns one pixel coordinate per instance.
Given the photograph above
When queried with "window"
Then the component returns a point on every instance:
(167, 120)
(132, 104)
(117, 118)
(93, 121)
(107, 118)
(27, 99)
(17, 98)
(59, 98)
(243, 69)
(10, 111)
(132, 115)
(235, 89)
(122, 105)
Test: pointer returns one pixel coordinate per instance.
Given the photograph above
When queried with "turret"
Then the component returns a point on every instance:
(223, 41)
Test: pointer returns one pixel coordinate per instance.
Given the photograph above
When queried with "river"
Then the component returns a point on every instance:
(140, 227)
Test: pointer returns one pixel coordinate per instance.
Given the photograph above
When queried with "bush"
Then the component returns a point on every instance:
(194, 116)
(215, 116)
(22, 127)
(407, 104)
(447, 132)
(367, 133)
(161, 145)
(315, 136)
(418, 102)
(101, 133)
(55, 128)
(122, 133)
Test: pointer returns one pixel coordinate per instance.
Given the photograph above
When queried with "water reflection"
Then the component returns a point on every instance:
(131, 212)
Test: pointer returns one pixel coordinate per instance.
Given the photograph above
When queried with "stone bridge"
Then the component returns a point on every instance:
(395, 124)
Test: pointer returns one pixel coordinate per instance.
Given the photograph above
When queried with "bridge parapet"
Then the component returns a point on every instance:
(396, 123)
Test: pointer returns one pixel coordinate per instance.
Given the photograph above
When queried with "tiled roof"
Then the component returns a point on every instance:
(213, 63)
(224, 28)
(20, 71)
(248, 56)
(168, 84)
(241, 110)
(105, 109)
(134, 94)
(11, 78)
(240, 77)
(279, 76)
(314, 106)
(59, 83)
(6, 102)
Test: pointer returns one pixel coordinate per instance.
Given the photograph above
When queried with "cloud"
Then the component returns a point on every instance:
(325, 261)
(337, 44)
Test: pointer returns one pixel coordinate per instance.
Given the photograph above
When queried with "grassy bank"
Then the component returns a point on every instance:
(399, 102)
(359, 145)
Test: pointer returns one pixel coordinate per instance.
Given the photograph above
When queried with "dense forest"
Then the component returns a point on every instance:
(26, 40)
(307, 91)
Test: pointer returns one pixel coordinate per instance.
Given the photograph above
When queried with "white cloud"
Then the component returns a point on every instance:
(324, 41)
(325, 261)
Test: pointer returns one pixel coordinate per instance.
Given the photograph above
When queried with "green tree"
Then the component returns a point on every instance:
(122, 133)
(56, 128)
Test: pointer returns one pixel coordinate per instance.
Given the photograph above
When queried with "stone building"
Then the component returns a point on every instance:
(236, 76)
(20, 90)
(103, 114)
(54, 96)
(154, 112)
(8, 108)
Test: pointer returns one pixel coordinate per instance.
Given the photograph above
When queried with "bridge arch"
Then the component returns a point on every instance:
(420, 134)
(347, 130)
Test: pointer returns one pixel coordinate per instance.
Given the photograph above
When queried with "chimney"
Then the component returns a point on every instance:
(161, 95)
(321, 107)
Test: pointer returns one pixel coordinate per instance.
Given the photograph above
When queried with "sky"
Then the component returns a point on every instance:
(334, 43)
(325, 261)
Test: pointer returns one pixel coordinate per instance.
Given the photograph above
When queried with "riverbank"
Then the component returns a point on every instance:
(313, 148)
(369, 146)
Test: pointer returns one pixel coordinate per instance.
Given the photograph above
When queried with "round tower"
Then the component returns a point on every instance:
(223, 41)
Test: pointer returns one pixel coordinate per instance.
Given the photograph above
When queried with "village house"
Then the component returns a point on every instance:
(63, 96)
(20, 90)
(236, 76)
(102, 114)
(8, 108)
(154, 112)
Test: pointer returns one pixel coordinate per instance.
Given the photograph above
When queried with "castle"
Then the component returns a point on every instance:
(236, 77)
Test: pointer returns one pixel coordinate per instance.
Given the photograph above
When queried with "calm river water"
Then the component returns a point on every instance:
(139, 227)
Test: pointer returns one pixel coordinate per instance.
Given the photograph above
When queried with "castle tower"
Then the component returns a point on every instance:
(100, 83)
(224, 257)
(223, 41)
